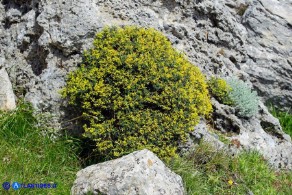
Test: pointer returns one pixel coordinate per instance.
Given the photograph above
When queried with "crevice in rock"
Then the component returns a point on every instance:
(7, 24)
(270, 129)
(37, 54)
(37, 58)
(252, 58)
(232, 59)
(224, 124)
(25, 45)
(23, 6)
(169, 4)
(214, 21)
(198, 1)
(238, 66)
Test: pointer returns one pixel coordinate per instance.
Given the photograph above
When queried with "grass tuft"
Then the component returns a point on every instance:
(206, 170)
(285, 119)
(27, 156)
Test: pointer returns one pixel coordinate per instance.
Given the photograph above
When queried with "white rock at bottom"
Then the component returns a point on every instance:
(140, 172)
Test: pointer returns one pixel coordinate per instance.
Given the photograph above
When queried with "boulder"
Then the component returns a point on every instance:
(140, 172)
(7, 98)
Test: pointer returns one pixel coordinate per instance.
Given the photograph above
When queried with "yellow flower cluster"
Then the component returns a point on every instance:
(220, 89)
(136, 92)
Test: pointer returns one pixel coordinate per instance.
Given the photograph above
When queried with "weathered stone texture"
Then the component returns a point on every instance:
(262, 133)
(140, 173)
(7, 98)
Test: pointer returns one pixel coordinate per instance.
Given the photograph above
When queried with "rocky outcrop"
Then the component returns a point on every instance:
(262, 133)
(269, 50)
(7, 99)
(233, 134)
(140, 172)
(41, 41)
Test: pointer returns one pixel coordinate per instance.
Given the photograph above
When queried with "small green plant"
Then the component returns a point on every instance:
(207, 170)
(241, 9)
(16, 124)
(28, 156)
(285, 119)
(219, 89)
(136, 91)
(244, 99)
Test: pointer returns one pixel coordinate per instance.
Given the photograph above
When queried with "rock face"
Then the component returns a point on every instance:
(262, 133)
(7, 99)
(140, 173)
(41, 41)
(269, 48)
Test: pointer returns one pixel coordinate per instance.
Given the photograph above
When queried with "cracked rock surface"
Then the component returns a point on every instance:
(140, 172)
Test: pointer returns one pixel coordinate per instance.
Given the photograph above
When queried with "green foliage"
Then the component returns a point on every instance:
(245, 100)
(206, 170)
(135, 91)
(285, 119)
(219, 89)
(16, 124)
(236, 93)
(27, 156)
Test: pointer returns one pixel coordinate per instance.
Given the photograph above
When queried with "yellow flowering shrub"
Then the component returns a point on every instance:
(220, 89)
(136, 91)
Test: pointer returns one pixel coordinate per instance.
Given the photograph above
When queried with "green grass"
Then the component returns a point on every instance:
(209, 171)
(285, 119)
(27, 156)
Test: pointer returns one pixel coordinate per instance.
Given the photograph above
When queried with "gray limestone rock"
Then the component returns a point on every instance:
(282, 9)
(140, 172)
(262, 133)
(67, 25)
(269, 50)
(13, 15)
(7, 98)
(201, 133)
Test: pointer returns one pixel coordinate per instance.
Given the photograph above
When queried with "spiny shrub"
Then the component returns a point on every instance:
(245, 100)
(219, 89)
(135, 91)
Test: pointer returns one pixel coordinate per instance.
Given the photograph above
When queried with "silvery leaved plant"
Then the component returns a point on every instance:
(244, 99)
